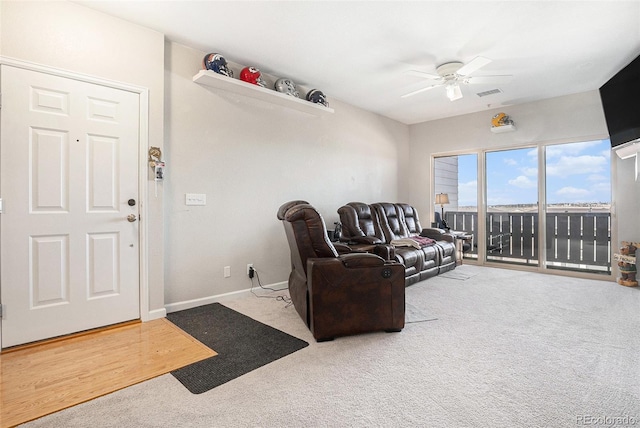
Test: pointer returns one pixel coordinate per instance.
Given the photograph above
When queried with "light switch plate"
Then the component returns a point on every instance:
(195, 199)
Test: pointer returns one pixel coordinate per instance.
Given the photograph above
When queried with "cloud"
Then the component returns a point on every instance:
(574, 165)
(523, 182)
(572, 191)
(530, 171)
(581, 191)
(510, 162)
(572, 149)
(573, 194)
(601, 191)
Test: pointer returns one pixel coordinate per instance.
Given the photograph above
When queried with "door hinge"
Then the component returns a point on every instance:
(0, 311)
(1, 206)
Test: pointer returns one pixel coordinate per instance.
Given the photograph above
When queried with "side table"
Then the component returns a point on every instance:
(461, 238)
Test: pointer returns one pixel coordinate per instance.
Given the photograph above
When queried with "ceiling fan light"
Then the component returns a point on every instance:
(454, 92)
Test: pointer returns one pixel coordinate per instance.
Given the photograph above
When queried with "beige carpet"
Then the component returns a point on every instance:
(508, 349)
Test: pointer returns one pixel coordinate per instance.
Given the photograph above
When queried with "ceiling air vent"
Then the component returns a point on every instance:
(490, 92)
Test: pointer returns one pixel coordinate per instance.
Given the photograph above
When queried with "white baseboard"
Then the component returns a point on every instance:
(188, 304)
(156, 314)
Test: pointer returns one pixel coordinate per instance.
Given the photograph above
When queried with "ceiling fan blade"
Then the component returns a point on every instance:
(473, 65)
(424, 75)
(488, 79)
(418, 91)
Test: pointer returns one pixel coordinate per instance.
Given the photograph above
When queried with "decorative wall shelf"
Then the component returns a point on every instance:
(503, 128)
(218, 81)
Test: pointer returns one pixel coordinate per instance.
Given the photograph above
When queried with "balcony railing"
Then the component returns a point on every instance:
(574, 240)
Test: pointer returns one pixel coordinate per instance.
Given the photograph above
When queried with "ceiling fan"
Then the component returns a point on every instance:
(451, 74)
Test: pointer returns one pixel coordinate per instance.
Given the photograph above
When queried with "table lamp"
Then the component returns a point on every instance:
(442, 198)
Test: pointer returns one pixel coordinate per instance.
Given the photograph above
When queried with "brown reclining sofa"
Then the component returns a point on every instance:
(385, 225)
(335, 291)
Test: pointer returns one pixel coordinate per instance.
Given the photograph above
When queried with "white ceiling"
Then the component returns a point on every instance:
(359, 52)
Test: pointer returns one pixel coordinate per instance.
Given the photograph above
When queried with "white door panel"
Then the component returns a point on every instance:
(68, 159)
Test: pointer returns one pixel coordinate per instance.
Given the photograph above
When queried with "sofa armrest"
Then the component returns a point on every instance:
(360, 260)
(437, 234)
(387, 252)
(342, 248)
(371, 240)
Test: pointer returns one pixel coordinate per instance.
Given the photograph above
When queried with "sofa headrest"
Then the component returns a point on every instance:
(360, 223)
(311, 233)
(411, 218)
(392, 221)
(284, 207)
(363, 210)
(388, 209)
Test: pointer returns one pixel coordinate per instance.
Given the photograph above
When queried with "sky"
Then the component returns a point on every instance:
(576, 173)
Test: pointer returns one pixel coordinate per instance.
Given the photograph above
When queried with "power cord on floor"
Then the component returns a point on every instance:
(282, 298)
(417, 321)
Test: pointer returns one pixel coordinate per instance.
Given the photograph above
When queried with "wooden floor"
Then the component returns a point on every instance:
(42, 379)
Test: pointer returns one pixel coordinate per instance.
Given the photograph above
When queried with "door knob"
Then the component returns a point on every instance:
(131, 218)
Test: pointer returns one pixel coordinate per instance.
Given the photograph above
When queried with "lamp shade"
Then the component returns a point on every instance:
(442, 198)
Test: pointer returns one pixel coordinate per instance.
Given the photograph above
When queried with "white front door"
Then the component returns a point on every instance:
(69, 253)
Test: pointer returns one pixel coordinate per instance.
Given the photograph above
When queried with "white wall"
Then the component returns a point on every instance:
(71, 37)
(249, 157)
(570, 118)
(627, 200)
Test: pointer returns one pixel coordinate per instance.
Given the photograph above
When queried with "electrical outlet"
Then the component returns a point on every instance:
(227, 271)
(249, 268)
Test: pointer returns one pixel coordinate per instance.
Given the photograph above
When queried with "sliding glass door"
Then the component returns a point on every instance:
(511, 209)
(578, 208)
(457, 178)
(545, 206)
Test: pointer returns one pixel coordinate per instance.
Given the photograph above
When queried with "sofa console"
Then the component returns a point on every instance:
(394, 230)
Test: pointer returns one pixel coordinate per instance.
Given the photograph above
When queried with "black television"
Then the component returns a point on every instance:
(621, 104)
